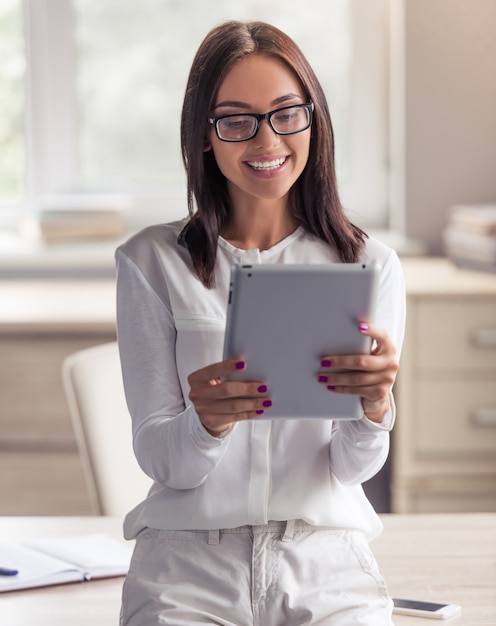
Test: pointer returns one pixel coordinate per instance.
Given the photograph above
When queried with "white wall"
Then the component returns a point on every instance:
(443, 111)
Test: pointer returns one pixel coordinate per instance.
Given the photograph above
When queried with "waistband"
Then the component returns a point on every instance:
(285, 529)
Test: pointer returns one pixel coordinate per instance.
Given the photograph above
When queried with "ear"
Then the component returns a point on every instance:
(207, 144)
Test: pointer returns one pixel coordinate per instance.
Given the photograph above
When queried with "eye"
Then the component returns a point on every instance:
(236, 122)
(289, 117)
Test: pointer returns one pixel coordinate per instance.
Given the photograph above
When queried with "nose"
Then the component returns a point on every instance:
(266, 136)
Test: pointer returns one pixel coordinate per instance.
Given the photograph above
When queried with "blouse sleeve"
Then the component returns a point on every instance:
(360, 448)
(169, 441)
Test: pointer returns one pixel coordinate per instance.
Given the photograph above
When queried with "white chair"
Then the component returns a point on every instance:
(95, 395)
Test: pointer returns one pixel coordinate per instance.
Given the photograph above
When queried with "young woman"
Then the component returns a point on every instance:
(250, 521)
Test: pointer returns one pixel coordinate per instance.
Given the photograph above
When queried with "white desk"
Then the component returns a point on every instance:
(436, 557)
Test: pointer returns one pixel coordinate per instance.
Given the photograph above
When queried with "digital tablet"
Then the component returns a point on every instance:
(281, 319)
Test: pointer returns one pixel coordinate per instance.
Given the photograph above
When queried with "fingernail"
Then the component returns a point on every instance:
(267, 403)
(326, 363)
(259, 412)
(323, 379)
(364, 327)
(331, 387)
(262, 389)
(240, 365)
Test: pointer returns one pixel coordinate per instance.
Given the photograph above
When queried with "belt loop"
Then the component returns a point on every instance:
(289, 531)
(213, 537)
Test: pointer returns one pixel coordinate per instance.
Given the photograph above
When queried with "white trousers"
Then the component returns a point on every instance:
(279, 574)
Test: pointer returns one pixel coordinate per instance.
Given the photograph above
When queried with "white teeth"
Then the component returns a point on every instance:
(266, 165)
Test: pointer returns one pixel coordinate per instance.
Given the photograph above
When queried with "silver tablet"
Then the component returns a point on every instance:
(282, 319)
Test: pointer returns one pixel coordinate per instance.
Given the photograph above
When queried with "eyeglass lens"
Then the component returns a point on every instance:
(285, 121)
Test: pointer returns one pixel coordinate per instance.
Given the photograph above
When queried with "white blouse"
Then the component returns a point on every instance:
(169, 325)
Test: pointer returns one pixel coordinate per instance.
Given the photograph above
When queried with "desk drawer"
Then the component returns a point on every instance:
(456, 333)
(456, 417)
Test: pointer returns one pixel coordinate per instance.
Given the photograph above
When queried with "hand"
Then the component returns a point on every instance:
(370, 376)
(220, 403)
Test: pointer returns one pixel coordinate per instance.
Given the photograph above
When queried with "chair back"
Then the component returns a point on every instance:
(94, 391)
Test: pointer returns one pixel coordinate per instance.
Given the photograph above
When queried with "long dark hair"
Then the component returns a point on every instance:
(313, 200)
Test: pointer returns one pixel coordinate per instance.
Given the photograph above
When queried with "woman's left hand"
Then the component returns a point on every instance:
(370, 376)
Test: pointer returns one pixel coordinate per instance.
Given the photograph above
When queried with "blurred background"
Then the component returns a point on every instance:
(90, 100)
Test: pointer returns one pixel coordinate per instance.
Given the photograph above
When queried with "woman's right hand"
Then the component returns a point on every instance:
(219, 403)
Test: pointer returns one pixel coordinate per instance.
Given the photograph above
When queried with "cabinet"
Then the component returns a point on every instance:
(444, 441)
(42, 322)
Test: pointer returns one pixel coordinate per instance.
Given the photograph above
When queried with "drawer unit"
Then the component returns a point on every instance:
(444, 442)
(456, 333)
(457, 417)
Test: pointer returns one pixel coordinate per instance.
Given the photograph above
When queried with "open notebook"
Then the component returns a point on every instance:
(63, 560)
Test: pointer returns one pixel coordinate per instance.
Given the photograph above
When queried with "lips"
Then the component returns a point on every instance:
(266, 166)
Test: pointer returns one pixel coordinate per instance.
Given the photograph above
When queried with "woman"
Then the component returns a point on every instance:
(250, 521)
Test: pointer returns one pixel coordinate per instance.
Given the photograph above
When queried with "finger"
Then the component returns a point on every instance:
(228, 389)
(233, 407)
(217, 417)
(381, 341)
(382, 347)
(354, 378)
(216, 371)
(372, 393)
(355, 362)
(216, 424)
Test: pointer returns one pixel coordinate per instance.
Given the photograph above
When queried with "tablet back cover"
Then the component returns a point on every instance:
(283, 318)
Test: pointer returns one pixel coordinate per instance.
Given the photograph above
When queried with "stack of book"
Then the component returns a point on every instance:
(470, 236)
(63, 218)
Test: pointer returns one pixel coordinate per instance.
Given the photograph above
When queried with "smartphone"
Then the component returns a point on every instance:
(420, 608)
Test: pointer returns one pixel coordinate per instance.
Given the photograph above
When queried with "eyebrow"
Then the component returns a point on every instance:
(243, 105)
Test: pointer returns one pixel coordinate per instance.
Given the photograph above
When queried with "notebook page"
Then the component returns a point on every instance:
(35, 568)
(98, 555)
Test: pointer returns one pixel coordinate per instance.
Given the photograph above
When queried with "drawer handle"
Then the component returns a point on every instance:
(484, 416)
(484, 337)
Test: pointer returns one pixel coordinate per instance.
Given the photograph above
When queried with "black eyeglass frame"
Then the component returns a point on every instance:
(260, 117)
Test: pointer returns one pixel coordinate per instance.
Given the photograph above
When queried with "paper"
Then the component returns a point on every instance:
(63, 560)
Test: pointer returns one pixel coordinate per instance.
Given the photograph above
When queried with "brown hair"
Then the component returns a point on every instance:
(313, 200)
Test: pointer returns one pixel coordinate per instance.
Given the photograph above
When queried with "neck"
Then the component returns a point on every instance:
(260, 230)
(259, 223)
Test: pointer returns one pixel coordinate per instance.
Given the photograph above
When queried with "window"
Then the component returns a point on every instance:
(12, 95)
(105, 82)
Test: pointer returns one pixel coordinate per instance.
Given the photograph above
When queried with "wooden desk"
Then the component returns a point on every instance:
(449, 558)
(444, 558)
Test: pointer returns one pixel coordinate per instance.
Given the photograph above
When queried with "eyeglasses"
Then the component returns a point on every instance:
(244, 126)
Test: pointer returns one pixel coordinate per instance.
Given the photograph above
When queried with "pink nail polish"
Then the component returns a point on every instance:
(323, 379)
(326, 363)
(364, 327)
(240, 365)
(267, 403)
(262, 389)
(259, 412)
(331, 387)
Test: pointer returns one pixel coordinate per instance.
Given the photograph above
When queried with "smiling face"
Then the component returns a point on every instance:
(266, 166)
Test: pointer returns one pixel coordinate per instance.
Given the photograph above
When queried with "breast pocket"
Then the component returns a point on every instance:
(199, 342)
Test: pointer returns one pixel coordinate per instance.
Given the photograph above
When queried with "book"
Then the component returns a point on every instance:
(62, 560)
(476, 218)
(66, 217)
(470, 237)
